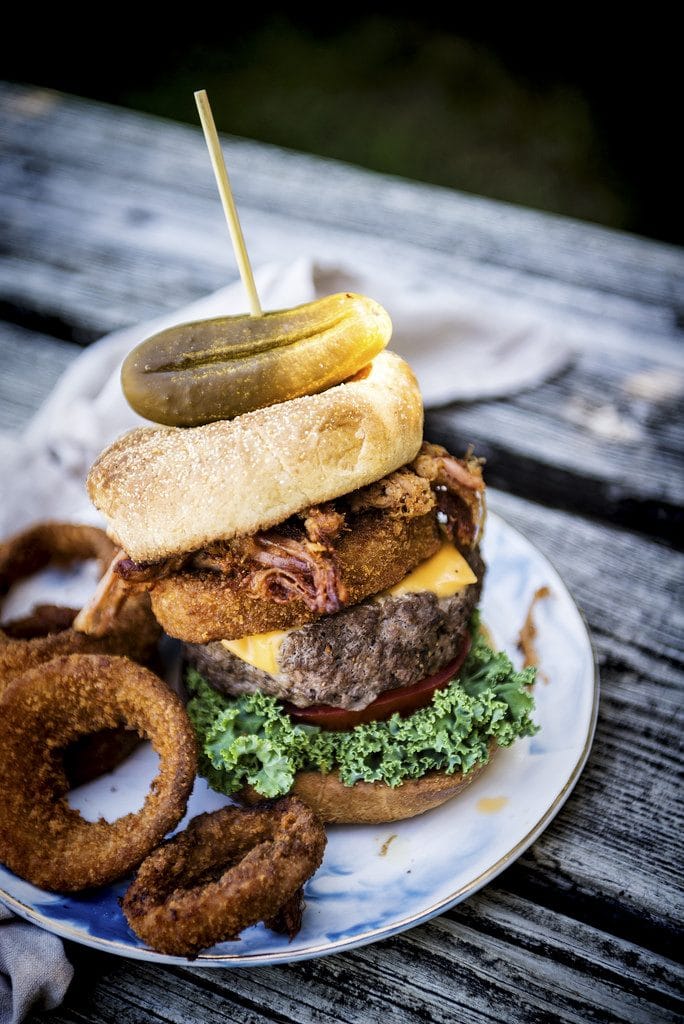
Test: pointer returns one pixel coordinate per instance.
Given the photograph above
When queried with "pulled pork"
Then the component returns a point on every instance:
(297, 560)
(403, 494)
(294, 561)
(459, 491)
(296, 569)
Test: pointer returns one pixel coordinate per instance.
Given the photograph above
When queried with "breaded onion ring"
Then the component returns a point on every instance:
(135, 634)
(90, 756)
(47, 632)
(41, 621)
(226, 871)
(50, 542)
(42, 838)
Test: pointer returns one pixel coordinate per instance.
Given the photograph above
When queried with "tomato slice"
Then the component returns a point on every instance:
(405, 700)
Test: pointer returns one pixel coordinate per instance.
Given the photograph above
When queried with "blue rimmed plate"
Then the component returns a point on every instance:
(377, 880)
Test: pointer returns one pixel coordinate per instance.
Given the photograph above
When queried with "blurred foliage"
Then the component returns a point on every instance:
(558, 121)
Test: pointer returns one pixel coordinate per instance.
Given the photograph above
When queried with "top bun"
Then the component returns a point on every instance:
(169, 490)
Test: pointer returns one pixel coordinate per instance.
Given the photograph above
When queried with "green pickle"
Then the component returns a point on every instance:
(218, 369)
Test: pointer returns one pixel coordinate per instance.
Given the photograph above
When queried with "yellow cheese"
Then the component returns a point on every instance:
(260, 649)
(444, 574)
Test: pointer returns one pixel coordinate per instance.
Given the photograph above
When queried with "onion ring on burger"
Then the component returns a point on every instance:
(42, 838)
(228, 870)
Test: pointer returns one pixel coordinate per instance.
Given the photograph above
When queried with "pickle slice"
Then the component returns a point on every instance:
(218, 369)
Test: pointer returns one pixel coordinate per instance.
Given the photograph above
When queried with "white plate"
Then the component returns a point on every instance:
(377, 880)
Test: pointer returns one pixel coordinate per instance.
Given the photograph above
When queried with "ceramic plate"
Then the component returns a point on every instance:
(377, 880)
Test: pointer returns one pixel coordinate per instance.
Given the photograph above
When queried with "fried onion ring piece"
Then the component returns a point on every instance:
(46, 633)
(43, 839)
(228, 870)
(288, 919)
(92, 756)
(37, 546)
(41, 621)
(135, 634)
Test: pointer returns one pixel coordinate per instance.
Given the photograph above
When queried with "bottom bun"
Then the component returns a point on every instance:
(371, 802)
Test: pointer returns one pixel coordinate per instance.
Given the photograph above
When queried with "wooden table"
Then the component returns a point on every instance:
(110, 217)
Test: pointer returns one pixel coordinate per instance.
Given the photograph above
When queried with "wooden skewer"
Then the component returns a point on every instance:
(226, 193)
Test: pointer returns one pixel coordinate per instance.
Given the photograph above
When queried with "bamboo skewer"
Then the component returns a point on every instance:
(227, 200)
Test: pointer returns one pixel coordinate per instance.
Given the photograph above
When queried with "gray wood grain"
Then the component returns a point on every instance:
(112, 216)
(620, 842)
(31, 364)
(587, 441)
(495, 958)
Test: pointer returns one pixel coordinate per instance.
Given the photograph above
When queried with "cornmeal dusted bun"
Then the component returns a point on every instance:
(169, 490)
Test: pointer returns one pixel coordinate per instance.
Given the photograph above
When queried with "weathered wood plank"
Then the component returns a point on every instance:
(78, 158)
(430, 216)
(112, 216)
(31, 364)
(587, 441)
(495, 958)
(619, 843)
(149, 230)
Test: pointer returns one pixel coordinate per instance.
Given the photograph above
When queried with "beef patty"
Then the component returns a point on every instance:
(346, 660)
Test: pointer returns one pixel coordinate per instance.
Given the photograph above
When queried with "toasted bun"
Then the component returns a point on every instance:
(372, 802)
(378, 552)
(168, 490)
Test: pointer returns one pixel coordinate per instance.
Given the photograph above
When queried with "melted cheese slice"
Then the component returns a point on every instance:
(260, 649)
(444, 574)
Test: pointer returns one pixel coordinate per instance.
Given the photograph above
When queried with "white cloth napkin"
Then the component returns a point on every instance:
(459, 351)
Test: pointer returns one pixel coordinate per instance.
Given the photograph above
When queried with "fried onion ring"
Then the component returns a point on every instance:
(228, 870)
(47, 632)
(51, 542)
(42, 838)
(135, 634)
(91, 756)
(43, 620)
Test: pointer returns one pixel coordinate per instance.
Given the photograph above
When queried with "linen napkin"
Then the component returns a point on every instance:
(34, 972)
(459, 350)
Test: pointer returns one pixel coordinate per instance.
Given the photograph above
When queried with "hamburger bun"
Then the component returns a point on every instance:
(167, 490)
(367, 803)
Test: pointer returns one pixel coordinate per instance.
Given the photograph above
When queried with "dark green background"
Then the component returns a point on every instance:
(555, 112)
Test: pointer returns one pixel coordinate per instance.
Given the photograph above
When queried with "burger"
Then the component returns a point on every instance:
(321, 565)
